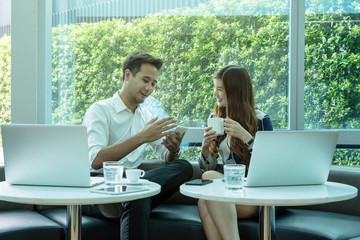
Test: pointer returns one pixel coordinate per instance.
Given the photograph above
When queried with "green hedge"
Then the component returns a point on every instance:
(5, 73)
(192, 49)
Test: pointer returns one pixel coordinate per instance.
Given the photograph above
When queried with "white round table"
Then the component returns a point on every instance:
(73, 197)
(269, 197)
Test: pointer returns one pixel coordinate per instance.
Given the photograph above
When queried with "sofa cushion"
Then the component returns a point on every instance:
(178, 222)
(28, 224)
(92, 228)
(174, 221)
(298, 224)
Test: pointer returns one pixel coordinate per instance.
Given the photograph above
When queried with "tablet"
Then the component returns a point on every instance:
(118, 189)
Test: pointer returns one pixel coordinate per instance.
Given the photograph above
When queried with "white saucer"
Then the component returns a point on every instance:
(141, 181)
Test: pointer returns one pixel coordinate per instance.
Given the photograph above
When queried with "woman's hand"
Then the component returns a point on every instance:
(209, 136)
(234, 129)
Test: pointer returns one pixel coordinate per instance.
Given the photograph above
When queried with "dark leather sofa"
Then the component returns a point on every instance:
(178, 218)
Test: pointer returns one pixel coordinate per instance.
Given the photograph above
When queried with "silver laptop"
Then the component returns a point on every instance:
(281, 158)
(40, 154)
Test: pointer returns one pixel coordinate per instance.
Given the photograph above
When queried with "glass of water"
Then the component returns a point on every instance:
(113, 172)
(234, 176)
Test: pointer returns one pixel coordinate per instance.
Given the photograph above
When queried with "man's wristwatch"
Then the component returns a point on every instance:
(247, 144)
(177, 153)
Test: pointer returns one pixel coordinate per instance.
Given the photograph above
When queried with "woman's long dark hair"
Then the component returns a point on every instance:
(240, 106)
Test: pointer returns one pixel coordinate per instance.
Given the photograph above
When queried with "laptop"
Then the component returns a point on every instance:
(281, 158)
(52, 155)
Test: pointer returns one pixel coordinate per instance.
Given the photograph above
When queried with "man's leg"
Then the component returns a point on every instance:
(170, 177)
(135, 219)
(134, 222)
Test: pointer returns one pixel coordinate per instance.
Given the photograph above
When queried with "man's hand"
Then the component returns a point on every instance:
(156, 129)
(172, 141)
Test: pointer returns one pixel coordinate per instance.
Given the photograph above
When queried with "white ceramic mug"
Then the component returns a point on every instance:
(217, 124)
(133, 175)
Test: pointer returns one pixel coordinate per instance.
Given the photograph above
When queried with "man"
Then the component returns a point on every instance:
(119, 129)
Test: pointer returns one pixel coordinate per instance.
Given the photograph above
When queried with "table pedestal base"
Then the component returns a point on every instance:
(73, 222)
(267, 223)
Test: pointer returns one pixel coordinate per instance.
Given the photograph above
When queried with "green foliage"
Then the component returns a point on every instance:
(192, 48)
(87, 62)
(332, 60)
(5, 73)
(347, 157)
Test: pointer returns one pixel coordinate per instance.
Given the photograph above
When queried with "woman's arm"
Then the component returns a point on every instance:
(234, 129)
(206, 160)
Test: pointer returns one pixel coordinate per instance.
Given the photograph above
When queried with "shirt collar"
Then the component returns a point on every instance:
(120, 105)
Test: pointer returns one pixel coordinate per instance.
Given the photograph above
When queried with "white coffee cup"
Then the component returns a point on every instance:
(217, 124)
(133, 175)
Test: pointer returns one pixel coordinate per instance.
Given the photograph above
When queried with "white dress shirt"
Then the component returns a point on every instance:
(109, 122)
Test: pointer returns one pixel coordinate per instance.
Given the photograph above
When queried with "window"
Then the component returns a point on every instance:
(332, 70)
(332, 64)
(194, 38)
(91, 38)
(90, 42)
(5, 65)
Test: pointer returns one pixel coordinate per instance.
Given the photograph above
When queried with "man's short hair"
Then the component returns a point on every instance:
(133, 62)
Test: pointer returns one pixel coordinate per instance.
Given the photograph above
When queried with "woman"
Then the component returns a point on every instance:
(235, 103)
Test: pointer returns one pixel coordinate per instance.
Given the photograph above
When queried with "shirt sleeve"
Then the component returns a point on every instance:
(208, 163)
(96, 122)
(264, 121)
(265, 124)
(159, 148)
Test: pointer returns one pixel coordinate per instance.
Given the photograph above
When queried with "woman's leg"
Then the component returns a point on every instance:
(245, 211)
(209, 226)
(225, 219)
(211, 175)
(219, 219)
